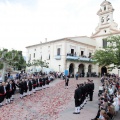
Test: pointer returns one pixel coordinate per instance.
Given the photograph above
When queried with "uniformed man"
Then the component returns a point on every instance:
(43, 82)
(29, 84)
(91, 90)
(77, 97)
(2, 93)
(21, 87)
(40, 79)
(13, 88)
(8, 91)
(34, 84)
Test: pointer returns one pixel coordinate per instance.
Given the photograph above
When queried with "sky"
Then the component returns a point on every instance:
(28, 22)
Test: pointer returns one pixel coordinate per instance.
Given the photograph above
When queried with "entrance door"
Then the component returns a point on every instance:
(71, 70)
(81, 70)
(103, 70)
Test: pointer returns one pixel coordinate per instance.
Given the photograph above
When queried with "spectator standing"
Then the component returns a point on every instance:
(66, 82)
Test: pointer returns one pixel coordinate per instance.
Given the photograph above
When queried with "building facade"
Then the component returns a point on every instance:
(74, 53)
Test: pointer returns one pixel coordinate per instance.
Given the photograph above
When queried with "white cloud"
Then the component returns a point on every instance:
(22, 25)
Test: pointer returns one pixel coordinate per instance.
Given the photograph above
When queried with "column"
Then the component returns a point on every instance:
(86, 69)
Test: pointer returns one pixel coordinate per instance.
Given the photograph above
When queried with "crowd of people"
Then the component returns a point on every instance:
(109, 98)
(83, 93)
(27, 85)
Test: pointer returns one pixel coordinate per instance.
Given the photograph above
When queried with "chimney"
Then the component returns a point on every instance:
(45, 39)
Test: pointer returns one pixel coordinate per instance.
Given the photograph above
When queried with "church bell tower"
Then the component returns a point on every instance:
(106, 25)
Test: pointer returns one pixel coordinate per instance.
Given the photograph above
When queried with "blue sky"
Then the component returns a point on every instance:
(27, 22)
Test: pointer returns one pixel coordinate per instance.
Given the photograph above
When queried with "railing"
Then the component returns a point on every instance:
(79, 58)
(58, 57)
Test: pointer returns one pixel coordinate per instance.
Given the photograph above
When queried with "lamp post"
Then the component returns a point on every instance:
(59, 68)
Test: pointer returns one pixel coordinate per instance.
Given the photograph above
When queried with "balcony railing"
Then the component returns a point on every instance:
(79, 58)
(58, 57)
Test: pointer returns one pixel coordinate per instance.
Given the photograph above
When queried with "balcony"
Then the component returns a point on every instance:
(78, 58)
(58, 57)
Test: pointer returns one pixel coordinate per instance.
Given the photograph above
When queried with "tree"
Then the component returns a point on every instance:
(38, 63)
(110, 55)
(11, 58)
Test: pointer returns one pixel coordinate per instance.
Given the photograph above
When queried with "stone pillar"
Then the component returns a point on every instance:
(75, 69)
(86, 69)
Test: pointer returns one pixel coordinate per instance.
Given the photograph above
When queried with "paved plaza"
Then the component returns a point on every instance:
(53, 103)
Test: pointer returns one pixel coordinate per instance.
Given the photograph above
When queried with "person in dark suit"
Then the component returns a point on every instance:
(40, 82)
(43, 82)
(77, 97)
(47, 81)
(8, 91)
(66, 82)
(34, 84)
(29, 84)
(83, 90)
(91, 90)
(2, 93)
(37, 83)
(21, 87)
(13, 88)
(25, 87)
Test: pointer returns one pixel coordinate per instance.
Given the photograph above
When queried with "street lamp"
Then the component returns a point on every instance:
(59, 68)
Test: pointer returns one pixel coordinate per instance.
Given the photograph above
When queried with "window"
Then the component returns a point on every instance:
(72, 51)
(41, 57)
(49, 56)
(104, 43)
(82, 53)
(105, 31)
(30, 57)
(90, 54)
(58, 51)
(104, 7)
(35, 49)
(34, 55)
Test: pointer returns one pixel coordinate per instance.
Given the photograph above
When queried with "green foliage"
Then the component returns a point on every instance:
(109, 55)
(37, 63)
(13, 58)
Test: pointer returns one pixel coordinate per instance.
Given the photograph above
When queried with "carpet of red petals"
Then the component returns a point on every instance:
(45, 104)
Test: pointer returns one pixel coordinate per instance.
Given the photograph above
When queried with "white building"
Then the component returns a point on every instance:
(73, 53)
